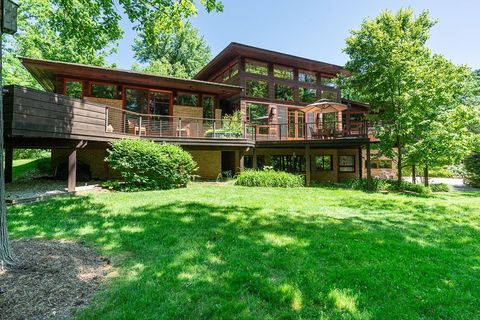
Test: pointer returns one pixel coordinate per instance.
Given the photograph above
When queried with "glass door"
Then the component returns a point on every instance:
(160, 110)
(296, 124)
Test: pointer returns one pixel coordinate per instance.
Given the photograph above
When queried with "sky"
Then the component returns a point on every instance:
(317, 29)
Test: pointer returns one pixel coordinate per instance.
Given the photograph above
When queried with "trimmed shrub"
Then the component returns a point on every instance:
(269, 178)
(440, 187)
(471, 170)
(387, 185)
(146, 165)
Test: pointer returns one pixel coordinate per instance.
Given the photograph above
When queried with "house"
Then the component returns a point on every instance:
(85, 107)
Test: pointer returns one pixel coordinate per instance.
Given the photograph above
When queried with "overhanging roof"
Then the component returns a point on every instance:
(47, 71)
(234, 50)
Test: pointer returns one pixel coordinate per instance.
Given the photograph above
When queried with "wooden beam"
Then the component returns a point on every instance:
(307, 165)
(72, 170)
(369, 168)
(8, 165)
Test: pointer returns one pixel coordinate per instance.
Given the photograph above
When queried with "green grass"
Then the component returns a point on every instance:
(23, 167)
(223, 252)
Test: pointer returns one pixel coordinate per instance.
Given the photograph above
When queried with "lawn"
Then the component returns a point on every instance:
(216, 252)
(22, 167)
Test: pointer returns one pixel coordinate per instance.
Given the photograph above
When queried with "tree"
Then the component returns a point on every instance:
(181, 52)
(84, 31)
(404, 83)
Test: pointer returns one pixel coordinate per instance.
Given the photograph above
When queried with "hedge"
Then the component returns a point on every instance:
(269, 178)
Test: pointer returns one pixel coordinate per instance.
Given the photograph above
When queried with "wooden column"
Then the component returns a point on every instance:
(8, 165)
(241, 157)
(339, 121)
(307, 165)
(254, 159)
(72, 170)
(369, 168)
(360, 164)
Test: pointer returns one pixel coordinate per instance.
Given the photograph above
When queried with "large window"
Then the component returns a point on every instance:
(283, 72)
(187, 99)
(294, 164)
(136, 100)
(257, 113)
(327, 81)
(248, 162)
(324, 163)
(307, 95)
(256, 67)
(101, 90)
(208, 107)
(283, 92)
(256, 88)
(74, 88)
(346, 163)
(306, 76)
(329, 95)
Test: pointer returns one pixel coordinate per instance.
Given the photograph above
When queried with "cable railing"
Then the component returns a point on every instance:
(157, 126)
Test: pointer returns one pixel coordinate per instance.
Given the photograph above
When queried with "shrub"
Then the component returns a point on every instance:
(146, 165)
(269, 178)
(471, 170)
(440, 187)
(387, 185)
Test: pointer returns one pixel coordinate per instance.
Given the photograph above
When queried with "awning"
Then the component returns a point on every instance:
(325, 106)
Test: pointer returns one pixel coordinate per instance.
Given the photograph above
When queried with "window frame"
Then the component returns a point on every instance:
(82, 82)
(300, 71)
(258, 63)
(275, 84)
(179, 93)
(352, 166)
(282, 67)
(213, 105)
(247, 91)
(315, 98)
(91, 83)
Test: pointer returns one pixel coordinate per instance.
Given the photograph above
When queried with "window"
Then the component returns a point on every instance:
(294, 164)
(324, 162)
(385, 164)
(256, 67)
(99, 90)
(74, 89)
(307, 95)
(283, 92)
(328, 81)
(136, 100)
(346, 163)
(234, 70)
(257, 113)
(256, 88)
(208, 107)
(248, 162)
(283, 72)
(306, 76)
(329, 95)
(187, 99)
(373, 164)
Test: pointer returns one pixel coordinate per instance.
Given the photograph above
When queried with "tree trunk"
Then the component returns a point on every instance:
(6, 255)
(425, 175)
(414, 174)
(399, 162)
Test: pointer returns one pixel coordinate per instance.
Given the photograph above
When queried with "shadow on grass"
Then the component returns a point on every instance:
(191, 259)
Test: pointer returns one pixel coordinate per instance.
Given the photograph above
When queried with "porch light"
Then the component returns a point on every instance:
(9, 16)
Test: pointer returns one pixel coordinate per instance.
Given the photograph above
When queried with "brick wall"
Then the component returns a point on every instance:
(91, 157)
(209, 163)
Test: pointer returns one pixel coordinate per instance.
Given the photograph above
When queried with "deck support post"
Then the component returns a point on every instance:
(241, 158)
(8, 165)
(307, 165)
(72, 170)
(254, 159)
(369, 168)
(360, 164)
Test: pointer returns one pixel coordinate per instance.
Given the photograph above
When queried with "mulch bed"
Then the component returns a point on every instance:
(52, 278)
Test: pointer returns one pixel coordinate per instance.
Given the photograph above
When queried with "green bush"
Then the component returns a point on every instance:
(471, 170)
(146, 165)
(440, 187)
(387, 185)
(30, 154)
(269, 178)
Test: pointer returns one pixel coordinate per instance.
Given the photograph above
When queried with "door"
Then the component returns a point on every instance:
(296, 124)
(160, 111)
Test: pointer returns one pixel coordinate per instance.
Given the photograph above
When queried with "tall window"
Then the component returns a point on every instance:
(283, 72)
(324, 162)
(256, 67)
(307, 95)
(283, 92)
(346, 163)
(136, 100)
(73, 88)
(256, 88)
(306, 76)
(187, 99)
(100, 90)
(208, 107)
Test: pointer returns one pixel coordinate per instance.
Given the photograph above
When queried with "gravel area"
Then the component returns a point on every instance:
(38, 188)
(53, 278)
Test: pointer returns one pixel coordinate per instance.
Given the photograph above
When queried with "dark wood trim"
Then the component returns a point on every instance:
(8, 165)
